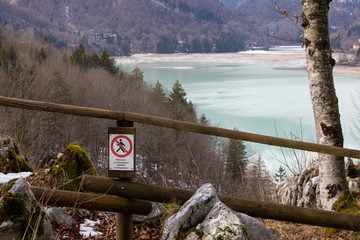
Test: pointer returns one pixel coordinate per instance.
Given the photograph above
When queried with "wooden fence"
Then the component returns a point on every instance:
(253, 208)
(180, 125)
(132, 190)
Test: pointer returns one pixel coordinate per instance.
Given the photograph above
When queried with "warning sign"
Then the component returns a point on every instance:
(121, 152)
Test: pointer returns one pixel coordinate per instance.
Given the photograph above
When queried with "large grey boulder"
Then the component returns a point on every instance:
(20, 211)
(192, 212)
(220, 223)
(204, 216)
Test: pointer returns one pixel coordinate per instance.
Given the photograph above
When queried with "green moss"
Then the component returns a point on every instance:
(14, 163)
(172, 205)
(5, 188)
(71, 166)
(345, 204)
(246, 231)
(13, 208)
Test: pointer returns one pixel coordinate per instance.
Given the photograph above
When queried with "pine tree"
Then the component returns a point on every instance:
(79, 57)
(159, 93)
(108, 63)
(236, 160)
(178, 94)
(281, 174)
(93, 60)
(138, 75)
(177, 101)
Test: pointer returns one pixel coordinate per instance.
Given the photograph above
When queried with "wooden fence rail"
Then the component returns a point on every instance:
(180, 125)
(98, 202)
(252, 208)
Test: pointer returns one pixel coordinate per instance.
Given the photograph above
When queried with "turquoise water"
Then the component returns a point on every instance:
(267, 100)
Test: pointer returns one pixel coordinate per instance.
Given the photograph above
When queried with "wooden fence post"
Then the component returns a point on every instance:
(124, 221)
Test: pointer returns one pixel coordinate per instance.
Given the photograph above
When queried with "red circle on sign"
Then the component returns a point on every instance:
(127, 152)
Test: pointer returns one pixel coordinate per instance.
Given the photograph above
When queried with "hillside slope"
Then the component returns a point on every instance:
(128, 26)
(344, 17)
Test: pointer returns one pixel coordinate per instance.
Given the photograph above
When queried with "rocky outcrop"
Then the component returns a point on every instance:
(11, 159)
(72, 163)
(204, 216)
(303, 190)
(21, 214)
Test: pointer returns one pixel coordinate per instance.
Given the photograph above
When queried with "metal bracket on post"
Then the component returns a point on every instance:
(122, 165)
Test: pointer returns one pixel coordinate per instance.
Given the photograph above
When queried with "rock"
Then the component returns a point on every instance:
(11, 159)
(301, 190)
(192, 212)
(70, 166)
(255, 229)
(204, 216)
(60, 216)
(353, 185)
(19, 210)
(221, 223)
(154, 217)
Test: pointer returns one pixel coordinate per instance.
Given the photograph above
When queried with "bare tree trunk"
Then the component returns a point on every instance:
(324, 101)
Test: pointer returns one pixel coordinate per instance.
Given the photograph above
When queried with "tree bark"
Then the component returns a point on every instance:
(324, 101)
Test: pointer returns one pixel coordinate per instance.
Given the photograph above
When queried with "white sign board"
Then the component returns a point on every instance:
(121, 151)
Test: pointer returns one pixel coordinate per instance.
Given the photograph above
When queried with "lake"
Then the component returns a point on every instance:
(267, 99)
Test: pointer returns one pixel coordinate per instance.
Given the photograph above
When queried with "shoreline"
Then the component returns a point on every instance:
(290, 60)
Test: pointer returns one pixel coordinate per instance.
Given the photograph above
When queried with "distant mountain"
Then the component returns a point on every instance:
(128, 26)
(344, 18)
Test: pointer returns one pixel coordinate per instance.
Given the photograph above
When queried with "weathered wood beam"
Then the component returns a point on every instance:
(180, 125)
(252, 208)
(89, 201)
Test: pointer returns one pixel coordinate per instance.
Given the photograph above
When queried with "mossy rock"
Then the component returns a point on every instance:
(345, 204)
(11, 159)
(71, 165)
(20, 213)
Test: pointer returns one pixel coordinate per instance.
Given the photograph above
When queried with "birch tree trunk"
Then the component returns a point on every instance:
(324, 101)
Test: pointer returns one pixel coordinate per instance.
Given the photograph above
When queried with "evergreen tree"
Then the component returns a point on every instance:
(93, 60)
(203, 120)
(281, 174)
(9, 60)
(138, 75)
(236, 160)
(108, 63)
(78, 57)
(178, 94)
(159, 93)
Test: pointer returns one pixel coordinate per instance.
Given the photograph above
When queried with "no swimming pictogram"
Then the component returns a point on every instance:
(121, 146)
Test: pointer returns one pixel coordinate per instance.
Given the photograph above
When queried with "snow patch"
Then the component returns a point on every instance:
(87, 228)
(7, 177)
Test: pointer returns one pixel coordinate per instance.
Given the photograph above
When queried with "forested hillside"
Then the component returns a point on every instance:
(131, 26)
(166, 157)
(279, 18)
